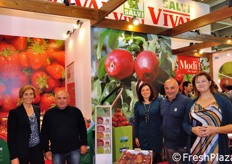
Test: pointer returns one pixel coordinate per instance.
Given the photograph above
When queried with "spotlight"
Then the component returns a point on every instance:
(213, 33)
(197, 31)
(68, 33)
(66, 2)
(77, 25)
(135, 21)
(201, 51)
(229, 41)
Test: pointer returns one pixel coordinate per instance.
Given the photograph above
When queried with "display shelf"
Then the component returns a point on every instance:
(103, 134)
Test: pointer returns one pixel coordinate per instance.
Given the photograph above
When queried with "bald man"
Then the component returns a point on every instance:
(64, 127)
(172, 113)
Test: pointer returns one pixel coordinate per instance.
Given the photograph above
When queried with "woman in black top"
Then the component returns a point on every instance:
(23, 130)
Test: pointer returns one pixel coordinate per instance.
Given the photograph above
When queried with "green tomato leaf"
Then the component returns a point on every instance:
(101, 68)
(113, 38)
(103, 35)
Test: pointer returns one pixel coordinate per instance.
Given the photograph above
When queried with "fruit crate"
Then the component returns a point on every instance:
(137, 156)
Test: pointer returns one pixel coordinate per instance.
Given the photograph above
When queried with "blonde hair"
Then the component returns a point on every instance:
(23, 90)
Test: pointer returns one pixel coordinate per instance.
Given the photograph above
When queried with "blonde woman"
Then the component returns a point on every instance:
(23, 130)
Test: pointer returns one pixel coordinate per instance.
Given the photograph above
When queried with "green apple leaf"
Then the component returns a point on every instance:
(113, 38)
(96, 91)
(101, 68)
(103, 35)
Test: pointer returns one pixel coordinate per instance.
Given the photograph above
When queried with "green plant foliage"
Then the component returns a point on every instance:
(122, 93)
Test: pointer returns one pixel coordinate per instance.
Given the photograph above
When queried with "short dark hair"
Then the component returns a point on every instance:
(140, 97)
(209, 78)
(185, 84)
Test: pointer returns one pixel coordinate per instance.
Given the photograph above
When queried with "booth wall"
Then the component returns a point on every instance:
(219, 59)
(79, 53)
(21, 23)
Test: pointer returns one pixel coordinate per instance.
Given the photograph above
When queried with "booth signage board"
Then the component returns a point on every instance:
(103, 134)
(163, 13)
(122, 139)
(188, 65)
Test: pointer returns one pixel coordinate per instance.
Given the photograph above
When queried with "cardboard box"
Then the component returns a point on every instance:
(122, 139)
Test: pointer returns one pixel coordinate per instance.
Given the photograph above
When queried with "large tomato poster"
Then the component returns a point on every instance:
(35, 61)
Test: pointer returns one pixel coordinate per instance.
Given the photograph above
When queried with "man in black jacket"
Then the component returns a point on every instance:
(64, 127)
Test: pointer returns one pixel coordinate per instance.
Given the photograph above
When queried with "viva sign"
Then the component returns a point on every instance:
(188, 65)
(163, 13)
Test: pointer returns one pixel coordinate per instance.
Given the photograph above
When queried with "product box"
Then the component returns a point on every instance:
(122, 139)
(136, 156)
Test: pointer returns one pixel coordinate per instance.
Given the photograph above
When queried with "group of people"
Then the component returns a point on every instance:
(186, 130)
(63, 136)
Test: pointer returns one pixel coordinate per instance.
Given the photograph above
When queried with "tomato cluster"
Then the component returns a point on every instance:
(119, 119)
(35, 61)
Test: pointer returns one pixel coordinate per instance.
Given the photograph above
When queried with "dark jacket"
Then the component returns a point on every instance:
(172, 118)
(18, 129)
(226, 108)
(65, 129)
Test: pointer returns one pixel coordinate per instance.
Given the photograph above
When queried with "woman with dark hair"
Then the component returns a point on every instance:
(147, 125)
(23, 130)
(207, 122)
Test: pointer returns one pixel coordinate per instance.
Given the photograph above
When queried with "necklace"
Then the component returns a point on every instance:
(147, 109)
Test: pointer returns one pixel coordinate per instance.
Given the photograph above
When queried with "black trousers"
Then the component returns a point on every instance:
(34, 156)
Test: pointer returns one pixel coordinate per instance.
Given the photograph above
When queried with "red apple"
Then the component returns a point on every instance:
(179, 76)
(147, 66)
(119, 64)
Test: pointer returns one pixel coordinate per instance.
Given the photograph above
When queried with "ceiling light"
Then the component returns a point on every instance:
(78, 24)
(201, 52)
(198, 32)
(135, 21)
(68, 33)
